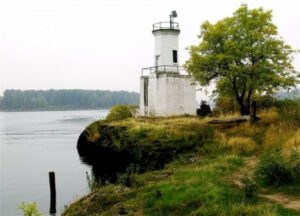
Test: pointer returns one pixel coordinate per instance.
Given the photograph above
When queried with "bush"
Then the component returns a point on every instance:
(225, 105)
(120, 112)
(30, 209)
(204, 109)
(265, 102)
(289, 110)
(274, 169)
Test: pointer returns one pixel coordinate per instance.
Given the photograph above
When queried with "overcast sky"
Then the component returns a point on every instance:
(103, 44)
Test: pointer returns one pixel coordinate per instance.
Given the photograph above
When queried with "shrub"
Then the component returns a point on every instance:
(294, 165)
(289, 110)
(241, 145)
(274, 169)
(29, 209)
(124, 179)
(204, 109)
(119, 112)
(265, 101)
(225, 105)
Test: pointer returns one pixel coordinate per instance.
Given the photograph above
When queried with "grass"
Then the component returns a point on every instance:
(292, 143)
(241, 145)
(179, 189)
(197, 181)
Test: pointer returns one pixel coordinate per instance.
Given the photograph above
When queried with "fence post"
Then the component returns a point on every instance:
(52, 193)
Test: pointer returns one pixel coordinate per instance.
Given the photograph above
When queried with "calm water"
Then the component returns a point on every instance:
(31, 145)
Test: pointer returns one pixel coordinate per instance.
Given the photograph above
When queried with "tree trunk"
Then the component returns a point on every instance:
(248, 102)
(240, 99)
(243, 108)
(253, 116)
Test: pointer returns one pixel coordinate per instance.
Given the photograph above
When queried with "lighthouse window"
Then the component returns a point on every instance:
(174, 56)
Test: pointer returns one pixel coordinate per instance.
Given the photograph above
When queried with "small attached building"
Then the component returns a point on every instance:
(164, 90)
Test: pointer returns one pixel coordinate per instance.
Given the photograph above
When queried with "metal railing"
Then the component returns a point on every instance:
(166, 25)
(163, 69)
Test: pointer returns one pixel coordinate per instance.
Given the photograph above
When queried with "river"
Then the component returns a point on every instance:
(31, 145)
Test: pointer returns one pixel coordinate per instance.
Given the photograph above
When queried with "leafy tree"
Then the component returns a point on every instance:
(244, 55)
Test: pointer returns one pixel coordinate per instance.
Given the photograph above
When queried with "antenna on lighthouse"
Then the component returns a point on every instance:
(172, 16)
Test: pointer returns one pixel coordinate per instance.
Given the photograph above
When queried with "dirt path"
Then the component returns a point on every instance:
(287, 201)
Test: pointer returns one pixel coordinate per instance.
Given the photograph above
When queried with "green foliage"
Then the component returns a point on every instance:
(274, 169)
(65, 99)
(97, 202)
(29, 209)
(244, 55)
(265, 102)
(119, 112)
(225, 105)
(289, 110)
(124, 179)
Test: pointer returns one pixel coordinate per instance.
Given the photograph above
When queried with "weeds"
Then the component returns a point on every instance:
(30, 209)
(274, 169)
(93, 182)
(241, 145)
(250, 188)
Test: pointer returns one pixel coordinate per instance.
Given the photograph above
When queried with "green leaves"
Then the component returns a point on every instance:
(244, 50)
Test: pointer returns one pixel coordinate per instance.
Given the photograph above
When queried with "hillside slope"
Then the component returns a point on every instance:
(184, 166)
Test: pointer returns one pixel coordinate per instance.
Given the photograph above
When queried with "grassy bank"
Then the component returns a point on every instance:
(212, 170)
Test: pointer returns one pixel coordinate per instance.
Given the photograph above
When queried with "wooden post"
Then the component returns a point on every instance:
(52, 193)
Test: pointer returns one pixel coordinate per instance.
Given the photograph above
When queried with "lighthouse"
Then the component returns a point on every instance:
(164, 89)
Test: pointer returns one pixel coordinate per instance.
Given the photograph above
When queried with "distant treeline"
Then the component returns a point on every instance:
(292, 94)
(65, 99)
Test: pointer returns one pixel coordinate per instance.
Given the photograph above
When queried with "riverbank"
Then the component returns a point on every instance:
(184, 166)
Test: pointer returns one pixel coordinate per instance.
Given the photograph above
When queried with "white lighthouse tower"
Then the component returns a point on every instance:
(164, 90)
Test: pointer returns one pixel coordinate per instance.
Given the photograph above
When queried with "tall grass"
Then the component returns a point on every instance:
(199, 181)
(292, 144)
(242, 145)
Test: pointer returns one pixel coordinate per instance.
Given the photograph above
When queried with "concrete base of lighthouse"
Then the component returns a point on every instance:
(167, 94)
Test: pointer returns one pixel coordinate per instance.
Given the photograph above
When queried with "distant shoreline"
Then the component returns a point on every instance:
(64, 99)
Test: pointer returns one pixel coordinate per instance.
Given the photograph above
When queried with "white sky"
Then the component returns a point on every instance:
(103, 44)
